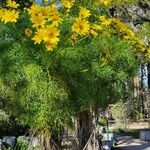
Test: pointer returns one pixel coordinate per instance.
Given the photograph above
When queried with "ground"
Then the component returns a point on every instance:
(132, 142)
(129, 143)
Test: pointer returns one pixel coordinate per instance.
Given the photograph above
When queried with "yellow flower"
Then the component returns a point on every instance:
(81, 26)
(38, 20)
(126, 37)
(97, 27)
(45, 11)
(105, 21)
(102, 18)
(1, 13)
(54, 15)
(12, 4)
(74, 37)
(68, 3)
(53, 9)
(148, 50)
(10, 16)
(84, 13)
(93, 33)
(51, 37)
(50, 45)
(120, 25)
(51, 33)
(105, 2)
(56, 19)
(34, 10)
(28, 32)
(39, 36)
(131, 33)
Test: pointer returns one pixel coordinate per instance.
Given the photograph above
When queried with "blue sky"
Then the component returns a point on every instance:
(39, 1)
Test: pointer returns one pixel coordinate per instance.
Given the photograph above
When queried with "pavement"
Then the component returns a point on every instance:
(129, 143)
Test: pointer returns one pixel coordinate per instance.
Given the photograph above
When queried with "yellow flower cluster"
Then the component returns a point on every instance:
(105, 21)
(48, 35)
(100, 26)
(10, 15)
(129, 35)
(122, 30)
(46, 21)
(68, 3)
(41, 15)
(81, 25)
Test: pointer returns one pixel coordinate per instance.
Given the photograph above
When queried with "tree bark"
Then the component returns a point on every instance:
(57, 137)
(85, 126)
(47, 137)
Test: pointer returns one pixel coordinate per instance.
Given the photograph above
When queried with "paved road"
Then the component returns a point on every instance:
(129, 143)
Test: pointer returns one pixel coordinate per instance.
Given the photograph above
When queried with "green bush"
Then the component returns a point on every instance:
(22, 144)
(103, 121)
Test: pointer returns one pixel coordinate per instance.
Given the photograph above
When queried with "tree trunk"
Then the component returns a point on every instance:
(52, 141)
(57, 137)
(85, 126)
(47, 137)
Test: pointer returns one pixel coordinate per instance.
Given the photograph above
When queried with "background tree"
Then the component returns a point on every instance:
(137, 17)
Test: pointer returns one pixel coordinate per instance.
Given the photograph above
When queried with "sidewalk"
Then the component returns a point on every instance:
(129, 143)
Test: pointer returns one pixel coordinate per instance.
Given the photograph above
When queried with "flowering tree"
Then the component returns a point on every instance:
(64, 58)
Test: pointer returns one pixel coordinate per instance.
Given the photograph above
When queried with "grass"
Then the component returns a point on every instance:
(127, 132)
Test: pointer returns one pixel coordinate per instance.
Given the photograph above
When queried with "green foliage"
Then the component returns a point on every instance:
(119, 111)
(27, 89)
(9, 148)
(119, 131)
(45, 90)
(96, 69)
(22, 144)
(145, 31)
(103, 121)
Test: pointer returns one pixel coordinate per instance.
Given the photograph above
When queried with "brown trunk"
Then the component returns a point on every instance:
(57, 137)
(85, 126)
(46, 144)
